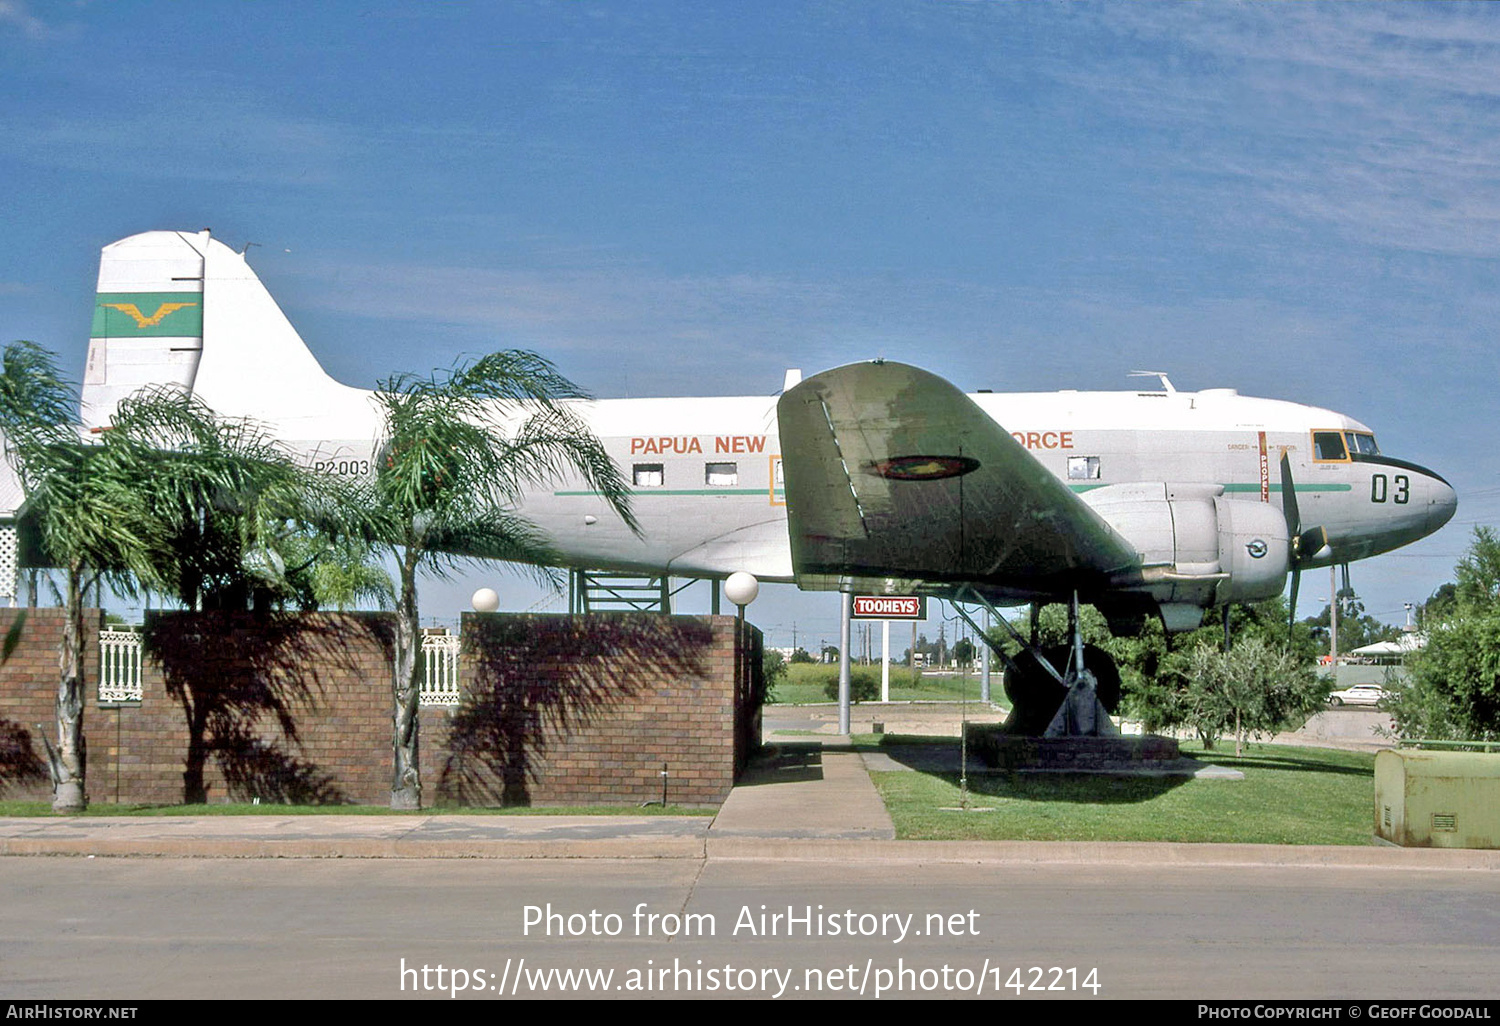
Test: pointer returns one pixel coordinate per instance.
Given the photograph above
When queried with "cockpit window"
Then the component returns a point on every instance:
(1362, 443)
(1329, 445)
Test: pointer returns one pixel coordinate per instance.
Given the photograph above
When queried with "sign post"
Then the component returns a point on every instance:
(885, 660)
(845, 604)
(886, 608)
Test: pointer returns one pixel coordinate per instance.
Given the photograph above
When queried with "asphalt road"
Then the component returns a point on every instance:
(141, 928)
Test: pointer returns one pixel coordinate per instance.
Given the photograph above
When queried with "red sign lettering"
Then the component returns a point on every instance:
(889, 607)
(740, 443)
(680, 445)
(1044, 439)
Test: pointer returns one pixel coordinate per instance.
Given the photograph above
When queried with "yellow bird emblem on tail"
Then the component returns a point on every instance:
(141, 320)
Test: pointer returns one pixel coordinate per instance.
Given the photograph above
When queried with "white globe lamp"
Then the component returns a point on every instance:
(741, 589)
(485, 600)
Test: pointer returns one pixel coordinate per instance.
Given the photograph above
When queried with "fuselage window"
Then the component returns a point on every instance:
(1362, 444)
(721, 475)
(648, 475)
(1083, 468)
(1329, 445)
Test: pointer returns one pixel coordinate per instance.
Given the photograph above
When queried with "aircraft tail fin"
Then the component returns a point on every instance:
(181, 308)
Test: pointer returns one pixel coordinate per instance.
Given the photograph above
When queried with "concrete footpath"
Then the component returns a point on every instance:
(809, 800)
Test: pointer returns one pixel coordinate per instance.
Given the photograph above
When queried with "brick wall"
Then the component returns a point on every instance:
(28, 695)
(297, 708)
(569, 710)
(285, 708)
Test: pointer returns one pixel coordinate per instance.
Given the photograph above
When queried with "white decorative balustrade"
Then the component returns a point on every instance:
(439, 669)
(119, 667)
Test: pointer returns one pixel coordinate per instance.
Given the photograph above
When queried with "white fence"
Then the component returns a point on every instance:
(439, 669)
(119, 667)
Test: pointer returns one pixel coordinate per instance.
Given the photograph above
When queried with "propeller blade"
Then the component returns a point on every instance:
(1305, 544)
(1291, 618)
(1289, 498)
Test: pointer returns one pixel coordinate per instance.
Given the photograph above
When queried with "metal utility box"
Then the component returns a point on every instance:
(1437, 799)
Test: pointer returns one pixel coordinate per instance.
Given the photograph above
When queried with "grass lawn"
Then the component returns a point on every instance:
(805, 683)
(15, 808)
(1289, 795)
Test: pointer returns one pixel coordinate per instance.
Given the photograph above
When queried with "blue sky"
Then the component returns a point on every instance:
(1299, 201)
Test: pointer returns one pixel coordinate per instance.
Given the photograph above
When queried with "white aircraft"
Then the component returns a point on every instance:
(870, 477)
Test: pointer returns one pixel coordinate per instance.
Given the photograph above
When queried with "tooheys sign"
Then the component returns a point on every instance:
(890, 607)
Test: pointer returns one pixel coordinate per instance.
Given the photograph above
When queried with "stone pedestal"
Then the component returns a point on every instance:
(1071, 754)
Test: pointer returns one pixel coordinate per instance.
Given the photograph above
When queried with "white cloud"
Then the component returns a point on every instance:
(13, 12)
(1375, 122)
(213, 142)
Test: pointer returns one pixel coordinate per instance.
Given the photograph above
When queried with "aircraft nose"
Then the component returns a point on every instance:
(1442, 503)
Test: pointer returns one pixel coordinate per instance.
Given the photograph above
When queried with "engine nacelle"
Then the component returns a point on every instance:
(1198, 548)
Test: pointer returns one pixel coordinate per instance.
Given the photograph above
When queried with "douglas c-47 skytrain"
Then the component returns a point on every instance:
(871, 477)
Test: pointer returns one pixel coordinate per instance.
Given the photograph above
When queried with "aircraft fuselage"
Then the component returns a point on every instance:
(183, 309)
(706, 485)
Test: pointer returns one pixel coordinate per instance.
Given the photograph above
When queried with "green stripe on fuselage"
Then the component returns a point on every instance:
(1078, 488)
(684, 491)
(1243, 488)
(1301, 487)
(148, 315)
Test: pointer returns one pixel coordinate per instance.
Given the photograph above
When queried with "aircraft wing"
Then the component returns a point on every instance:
(894, 475)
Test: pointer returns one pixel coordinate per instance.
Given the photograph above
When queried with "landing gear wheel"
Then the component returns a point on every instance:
(1106, 676)
(1035, 694)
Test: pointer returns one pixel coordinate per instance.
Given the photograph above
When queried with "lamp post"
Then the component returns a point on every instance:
(741, 589)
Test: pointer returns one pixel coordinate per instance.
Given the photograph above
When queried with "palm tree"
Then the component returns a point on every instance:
(221, 506)
(169, 497)
(79, 505)
(459, 449)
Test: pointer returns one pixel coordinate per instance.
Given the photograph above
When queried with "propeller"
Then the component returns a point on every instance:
(1304, 544)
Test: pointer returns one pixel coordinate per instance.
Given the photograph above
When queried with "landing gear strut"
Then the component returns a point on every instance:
(1046, 703)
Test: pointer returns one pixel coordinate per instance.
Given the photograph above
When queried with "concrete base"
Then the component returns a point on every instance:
(1073, 754)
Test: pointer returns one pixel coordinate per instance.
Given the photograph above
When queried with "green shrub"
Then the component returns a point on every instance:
(773, 672)
(864, 684)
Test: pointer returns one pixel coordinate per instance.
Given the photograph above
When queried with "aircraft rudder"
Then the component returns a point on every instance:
(147, 325)
(183, 309)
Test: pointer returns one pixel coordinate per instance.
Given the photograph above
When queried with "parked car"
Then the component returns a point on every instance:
(1358, 694)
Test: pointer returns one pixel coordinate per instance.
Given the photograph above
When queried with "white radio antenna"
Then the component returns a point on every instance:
(1166, 383)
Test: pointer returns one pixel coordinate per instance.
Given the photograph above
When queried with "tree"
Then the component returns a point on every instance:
(963, 653)
(336, 570)
(169, 497)
(1439, 605)
(864, 685)
(459, 449)
(1452, 686)
(773, 672)
(1356, 627)
(1255, 688)
(79, 501)
(1158, 681)
(1478, 573)
(228, 519)
(1052, 628)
